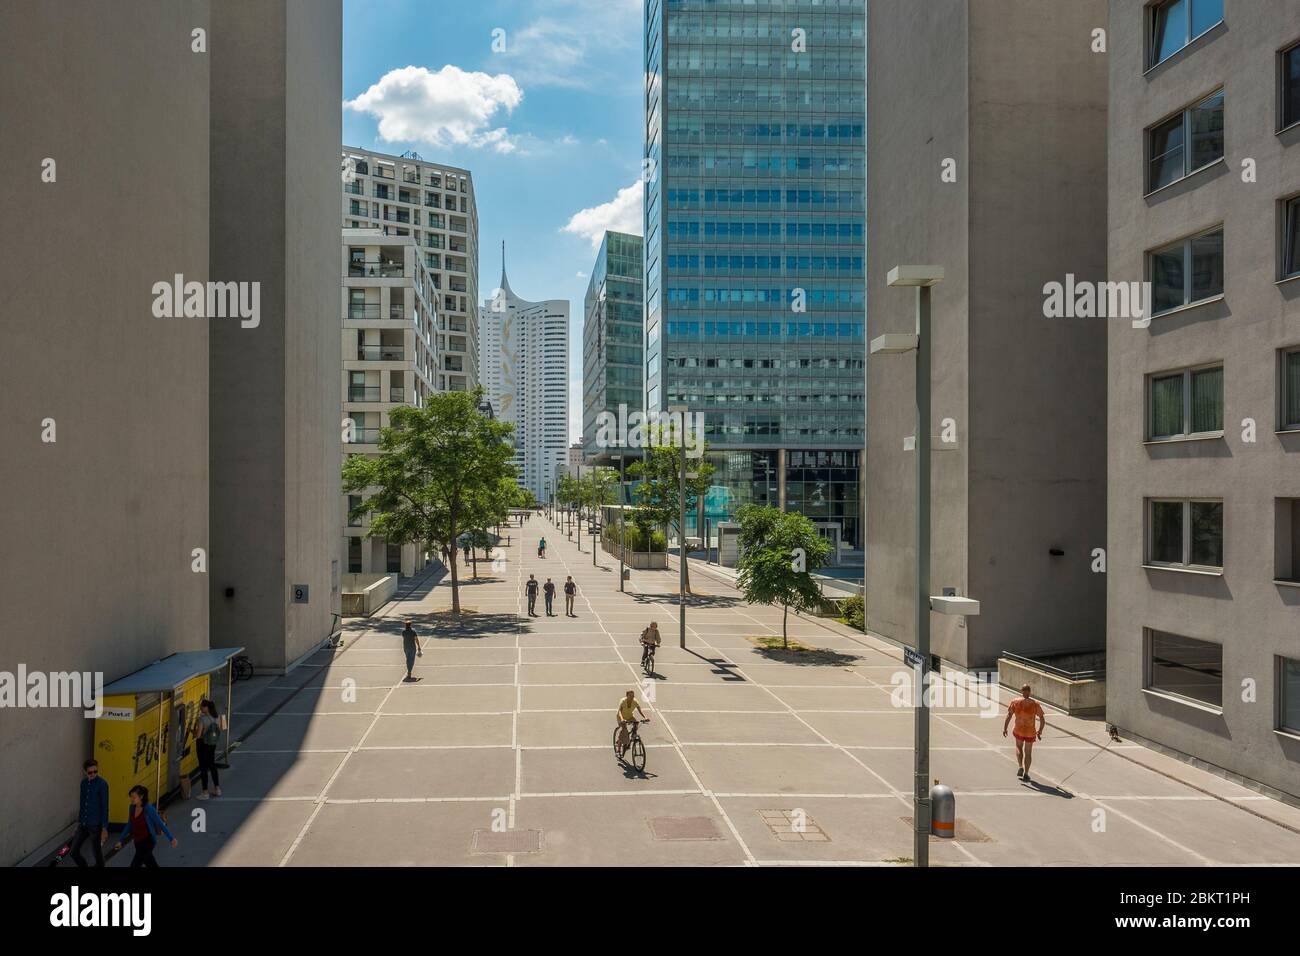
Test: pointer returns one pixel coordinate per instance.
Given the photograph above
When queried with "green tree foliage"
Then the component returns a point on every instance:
(439, 473)
(659, 473)
(779, 550)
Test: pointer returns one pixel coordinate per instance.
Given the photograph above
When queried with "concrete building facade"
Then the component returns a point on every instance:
(1203, 604)
(612, 332)
(390, 358)
(114, 410)
(754, 237)
(525, 350)
(987, 157)
(434, 205)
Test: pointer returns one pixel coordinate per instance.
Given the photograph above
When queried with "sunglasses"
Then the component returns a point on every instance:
(92, 773)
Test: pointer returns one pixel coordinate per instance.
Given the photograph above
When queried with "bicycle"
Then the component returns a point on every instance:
(648, 659)
(634, 745)
(241, 668)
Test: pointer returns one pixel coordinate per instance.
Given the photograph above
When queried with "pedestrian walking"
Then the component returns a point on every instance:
(92, 817)
(143, 826)
(411, 647)
(530, 588)
(570, 591)
(467, 552)
(207, 734)
(541, 548)
(1030, 721)
(549, 590)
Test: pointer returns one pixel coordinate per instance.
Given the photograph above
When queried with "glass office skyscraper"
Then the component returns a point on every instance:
(612, 334)
(754, 235)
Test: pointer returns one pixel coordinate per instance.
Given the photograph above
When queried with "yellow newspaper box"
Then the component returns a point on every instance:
(144, 734)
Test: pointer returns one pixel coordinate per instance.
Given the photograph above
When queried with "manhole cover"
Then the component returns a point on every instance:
(794, 826)
(684, 828)
(965, 831)
(509, 841)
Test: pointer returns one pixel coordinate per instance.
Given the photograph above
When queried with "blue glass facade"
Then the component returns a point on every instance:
(755, 240)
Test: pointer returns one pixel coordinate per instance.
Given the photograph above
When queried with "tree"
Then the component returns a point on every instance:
(426, 484)
(659, 473)
(778, 551)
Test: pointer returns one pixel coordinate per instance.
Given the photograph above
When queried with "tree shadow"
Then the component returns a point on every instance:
(806, 657)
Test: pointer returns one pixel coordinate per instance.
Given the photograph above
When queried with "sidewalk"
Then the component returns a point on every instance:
(500, 754)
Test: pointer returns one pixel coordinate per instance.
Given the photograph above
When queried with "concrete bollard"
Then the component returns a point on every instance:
(943, 814)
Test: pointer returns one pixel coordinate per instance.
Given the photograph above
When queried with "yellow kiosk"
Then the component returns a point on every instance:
(144, 734)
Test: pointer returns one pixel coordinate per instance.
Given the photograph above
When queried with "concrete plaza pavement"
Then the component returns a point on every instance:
(500, 753)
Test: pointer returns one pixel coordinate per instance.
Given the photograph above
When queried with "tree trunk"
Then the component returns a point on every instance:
(473, 555)
(785, 616)
(455, 582)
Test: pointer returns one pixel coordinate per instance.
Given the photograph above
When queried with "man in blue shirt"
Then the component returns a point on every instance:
(92, 818)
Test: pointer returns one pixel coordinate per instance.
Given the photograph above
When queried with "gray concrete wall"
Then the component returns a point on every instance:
(1037, 478)
(275, 433)
(917, 64)
(1254, 619)
(99, 525)
(1011, 92)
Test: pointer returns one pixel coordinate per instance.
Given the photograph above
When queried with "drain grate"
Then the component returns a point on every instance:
(508, 841)
(684, 828)
(794, 826)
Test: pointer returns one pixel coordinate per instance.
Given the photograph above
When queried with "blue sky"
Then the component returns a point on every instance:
(539, 99)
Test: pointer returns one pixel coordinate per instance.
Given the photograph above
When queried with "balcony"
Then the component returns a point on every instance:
(452, 365)
(410, 177)
(365, 436)
(399, 215)
(363, 393)
(355, 188)
(397, 394)
(376, 269)
(383, 172)
(380, 353)
(382, 192)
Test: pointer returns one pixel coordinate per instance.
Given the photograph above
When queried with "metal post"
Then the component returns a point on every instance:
(922, 809)
(622, 535)
(578, 523)
(681, 536)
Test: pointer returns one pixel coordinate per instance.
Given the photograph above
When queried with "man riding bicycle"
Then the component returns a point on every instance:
(650, 640)
(626, 708)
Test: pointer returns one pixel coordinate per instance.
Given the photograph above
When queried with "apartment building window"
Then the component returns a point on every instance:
(1185, 142)
(1288, 703)
(1187, 271)
(1290, 389)
(1175, 23)
(1185, 533)
(354, 555)
(1184, 667)
(1291, 238)
(1185, 404)
(1286, 540)
(354, 501)
(394, 558)
(1289, 90)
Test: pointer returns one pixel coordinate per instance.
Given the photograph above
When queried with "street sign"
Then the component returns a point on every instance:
(300, 594)
(912, 658)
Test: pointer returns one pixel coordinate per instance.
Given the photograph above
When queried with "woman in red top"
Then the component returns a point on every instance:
(1030, 721)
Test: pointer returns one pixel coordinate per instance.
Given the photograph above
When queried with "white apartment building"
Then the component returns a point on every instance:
(524, 358)
(434, 205)
(391, 357)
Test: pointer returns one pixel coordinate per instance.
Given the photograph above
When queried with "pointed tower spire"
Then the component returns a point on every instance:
(505, 284)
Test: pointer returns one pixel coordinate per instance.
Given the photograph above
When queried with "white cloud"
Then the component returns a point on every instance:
(446, 108)
(575, 43)
(623, 213)
(580, 274)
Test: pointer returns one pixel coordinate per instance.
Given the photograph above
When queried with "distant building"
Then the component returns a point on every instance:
(612, 331)
(524, 355)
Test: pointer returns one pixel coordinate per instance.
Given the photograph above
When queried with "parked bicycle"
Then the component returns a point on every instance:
(241, 668)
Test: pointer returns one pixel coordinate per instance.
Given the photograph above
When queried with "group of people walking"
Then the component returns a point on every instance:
(532, 586)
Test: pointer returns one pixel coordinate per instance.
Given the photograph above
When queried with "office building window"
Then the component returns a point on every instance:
(1181, 404)
(394, 556)
(1175, 23)
(1185, 142)
(353, 502)
(1290, 389)
(1185, 533)
(1184, 667)
(1289, 88)
(354, 555)
(1288, 703)
(1187, 271)
(1291, 238)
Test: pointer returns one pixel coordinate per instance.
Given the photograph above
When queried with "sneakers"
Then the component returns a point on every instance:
(1020, 772)
(203, 795)
(1025, 778)
(216, 791)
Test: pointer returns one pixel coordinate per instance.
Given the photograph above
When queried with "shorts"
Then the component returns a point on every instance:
(1025, 740)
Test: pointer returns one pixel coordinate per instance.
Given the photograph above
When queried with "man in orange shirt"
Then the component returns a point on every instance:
(1030, 721)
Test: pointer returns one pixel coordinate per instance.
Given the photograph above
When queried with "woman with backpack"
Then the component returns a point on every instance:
(143, 826)
(207, 734)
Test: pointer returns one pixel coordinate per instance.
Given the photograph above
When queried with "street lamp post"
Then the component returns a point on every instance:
(622, 536)
(680, 410)
(577, 525)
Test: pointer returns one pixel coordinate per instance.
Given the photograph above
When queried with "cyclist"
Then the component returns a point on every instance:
(649, 639)
(626, 708)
